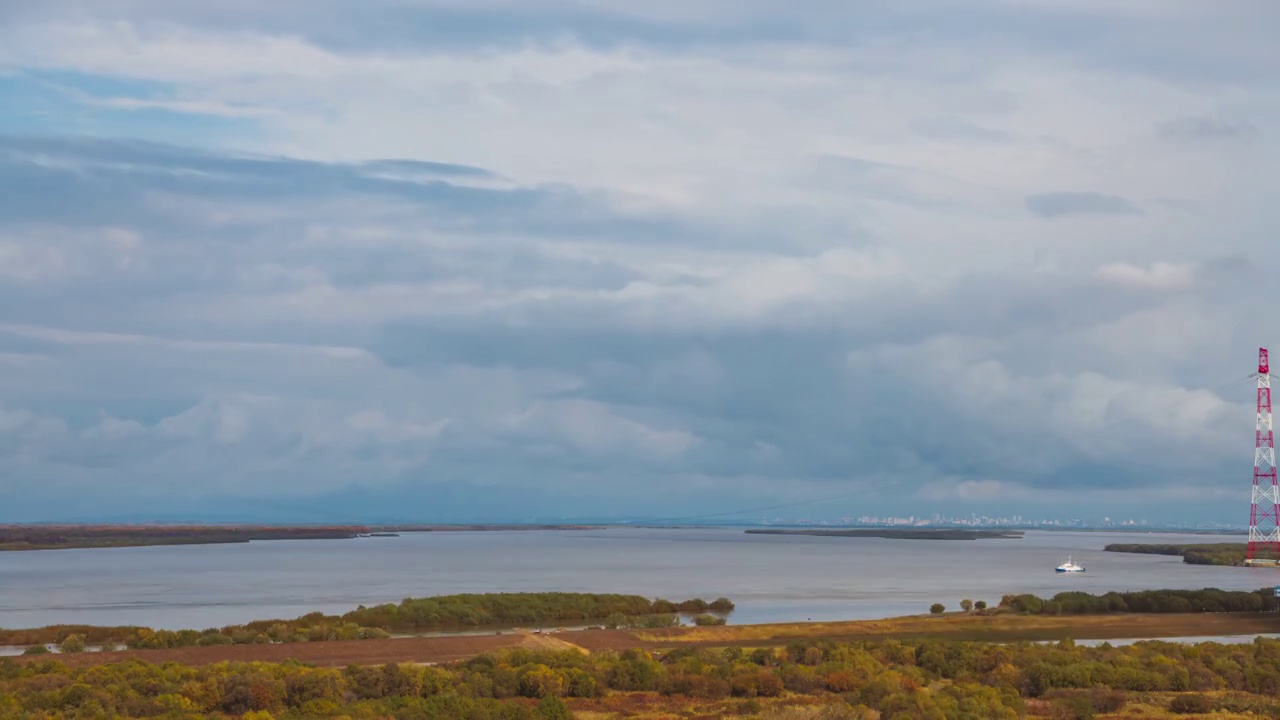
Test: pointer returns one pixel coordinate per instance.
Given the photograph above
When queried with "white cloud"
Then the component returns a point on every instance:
(1018, 230)
(972, 490)
(595, 429)
(1159, 276)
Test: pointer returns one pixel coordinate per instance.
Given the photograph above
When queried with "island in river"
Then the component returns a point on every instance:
(65, 537)
(899, 533)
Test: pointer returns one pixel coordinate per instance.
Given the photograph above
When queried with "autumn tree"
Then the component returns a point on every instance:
(552, 708)
(72, 644)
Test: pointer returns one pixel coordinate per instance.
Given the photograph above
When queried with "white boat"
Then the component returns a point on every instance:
(1070, 566)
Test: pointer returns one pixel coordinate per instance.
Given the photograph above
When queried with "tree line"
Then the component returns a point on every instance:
(1146, 601)
(53, 537)
(1203, 554)
(411, 615)
(888, 679)
(517, 608)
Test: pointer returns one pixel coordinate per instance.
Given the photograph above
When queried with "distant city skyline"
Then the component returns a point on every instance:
(975, 520)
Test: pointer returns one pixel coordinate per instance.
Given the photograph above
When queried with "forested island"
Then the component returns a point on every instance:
(1202, 554)
(66, 537)
(55, 537)
(898, 533)
(411, 615)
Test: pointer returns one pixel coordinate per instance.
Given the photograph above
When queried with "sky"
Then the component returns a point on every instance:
(440, 261)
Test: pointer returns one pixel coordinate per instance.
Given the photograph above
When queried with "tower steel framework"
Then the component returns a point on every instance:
(1264, 511)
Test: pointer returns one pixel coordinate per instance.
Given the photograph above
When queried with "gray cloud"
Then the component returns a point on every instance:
(474, 260)
(953, 128)
(1202, 128)
(1065, 204)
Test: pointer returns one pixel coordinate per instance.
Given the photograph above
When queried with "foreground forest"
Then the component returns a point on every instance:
(805, 680)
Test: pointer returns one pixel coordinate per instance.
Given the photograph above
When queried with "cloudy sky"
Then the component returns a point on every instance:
(498, 260)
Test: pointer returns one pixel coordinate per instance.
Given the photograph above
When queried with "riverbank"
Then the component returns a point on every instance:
(1228, 554)
(1003, 628)
(900, 534)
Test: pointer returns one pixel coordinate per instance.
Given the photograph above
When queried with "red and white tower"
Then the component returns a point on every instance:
(1264, 514)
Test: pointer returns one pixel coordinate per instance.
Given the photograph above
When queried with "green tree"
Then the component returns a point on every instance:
(722, 605)
(552, 707)
(937, 608)
(966, 605)
(541, 682)
(72, 644)
(980, 605)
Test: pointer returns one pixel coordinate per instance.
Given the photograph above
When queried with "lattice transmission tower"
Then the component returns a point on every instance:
(1264, 511)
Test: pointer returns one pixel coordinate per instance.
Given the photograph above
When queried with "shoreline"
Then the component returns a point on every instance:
(27, 537)
(997, 628)
(900, 533)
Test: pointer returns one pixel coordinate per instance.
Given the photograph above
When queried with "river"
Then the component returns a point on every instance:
(772, 578)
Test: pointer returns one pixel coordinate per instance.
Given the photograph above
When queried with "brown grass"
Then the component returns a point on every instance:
(991, 628)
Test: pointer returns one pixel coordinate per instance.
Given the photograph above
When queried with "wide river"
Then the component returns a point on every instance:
(770, 577)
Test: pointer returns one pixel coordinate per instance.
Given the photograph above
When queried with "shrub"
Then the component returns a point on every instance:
(213, 639)
(72, 644)
(1075, 707)
(980, 605)
(1191, 703)
(552, 708)
(708, 620)
(36, 650)
(722, 605)
(768, 684)
(1107, 700)
(937, 608)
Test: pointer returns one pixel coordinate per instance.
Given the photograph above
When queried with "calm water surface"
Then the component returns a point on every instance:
(771, 578)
